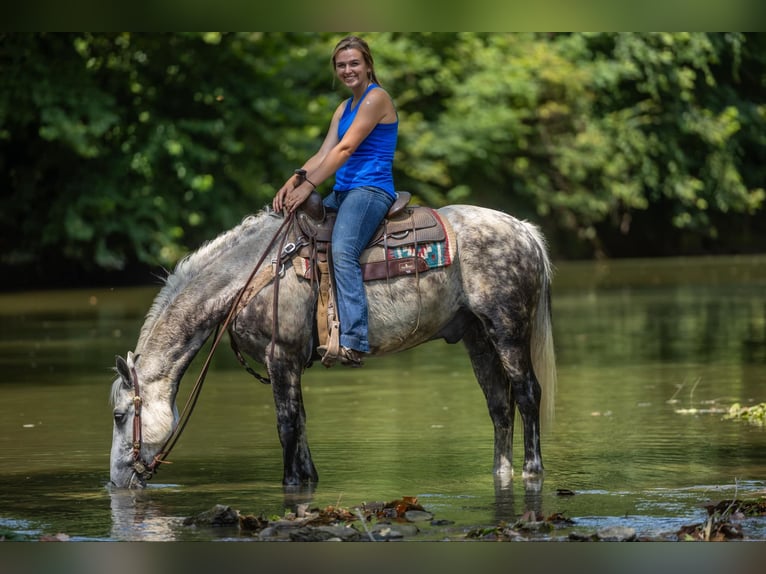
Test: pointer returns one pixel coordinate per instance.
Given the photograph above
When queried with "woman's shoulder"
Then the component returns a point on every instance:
(378, 89)
(382, 100)
(380, 94)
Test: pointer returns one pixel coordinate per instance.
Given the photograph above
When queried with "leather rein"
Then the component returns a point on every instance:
(146, 470)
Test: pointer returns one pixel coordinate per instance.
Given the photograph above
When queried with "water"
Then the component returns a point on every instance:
(650, 354)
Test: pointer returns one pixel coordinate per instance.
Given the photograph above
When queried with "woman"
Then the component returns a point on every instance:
(359, 149)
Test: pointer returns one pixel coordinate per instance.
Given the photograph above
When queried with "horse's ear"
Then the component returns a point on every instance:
(123, 370)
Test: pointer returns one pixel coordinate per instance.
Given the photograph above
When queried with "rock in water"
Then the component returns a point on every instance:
(219, 515)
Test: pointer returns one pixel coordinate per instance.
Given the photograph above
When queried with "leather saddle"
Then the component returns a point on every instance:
(404, 225)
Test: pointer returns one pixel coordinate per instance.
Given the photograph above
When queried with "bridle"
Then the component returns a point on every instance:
(145, 470)
(142, 470)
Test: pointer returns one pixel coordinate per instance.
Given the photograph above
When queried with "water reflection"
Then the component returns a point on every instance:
(506, 506)
(296, 496)
(147, 515)
(136, 516)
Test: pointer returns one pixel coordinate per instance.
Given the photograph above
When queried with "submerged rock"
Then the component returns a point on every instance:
(326, 534)
(219, 515)
(418, 516)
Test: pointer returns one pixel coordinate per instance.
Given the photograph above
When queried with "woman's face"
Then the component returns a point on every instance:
(351, 68)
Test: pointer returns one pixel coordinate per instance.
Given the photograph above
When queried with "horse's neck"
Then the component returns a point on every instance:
(168, 347)
(197, 298)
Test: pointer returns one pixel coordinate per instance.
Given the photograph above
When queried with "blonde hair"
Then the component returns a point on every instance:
(351, 42)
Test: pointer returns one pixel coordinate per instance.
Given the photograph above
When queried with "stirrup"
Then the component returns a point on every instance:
(345, 356)
(327, 359)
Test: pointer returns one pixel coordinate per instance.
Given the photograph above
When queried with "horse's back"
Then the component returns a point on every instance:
(478, 228)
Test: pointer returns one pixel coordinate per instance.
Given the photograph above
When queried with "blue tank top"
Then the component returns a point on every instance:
(372, 162)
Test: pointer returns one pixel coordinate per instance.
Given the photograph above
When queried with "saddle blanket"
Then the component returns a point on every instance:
(435, 253)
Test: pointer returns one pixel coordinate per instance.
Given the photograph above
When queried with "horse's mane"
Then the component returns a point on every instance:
(193, 264)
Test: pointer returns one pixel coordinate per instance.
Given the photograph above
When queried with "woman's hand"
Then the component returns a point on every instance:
(279, 199)
(297, 196)
(291, 196)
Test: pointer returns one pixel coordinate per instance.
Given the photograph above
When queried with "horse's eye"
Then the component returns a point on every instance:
(119, 417)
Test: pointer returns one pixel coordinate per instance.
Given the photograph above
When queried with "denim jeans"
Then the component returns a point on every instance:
(360, 211)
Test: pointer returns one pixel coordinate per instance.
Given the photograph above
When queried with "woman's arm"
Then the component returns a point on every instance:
(376, 107)
(330, 141)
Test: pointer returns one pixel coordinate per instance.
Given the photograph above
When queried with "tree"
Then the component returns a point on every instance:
(125, 149)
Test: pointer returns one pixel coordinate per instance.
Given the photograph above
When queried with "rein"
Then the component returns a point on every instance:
(146, 471)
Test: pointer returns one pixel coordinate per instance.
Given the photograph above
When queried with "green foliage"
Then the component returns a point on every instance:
(124, 148)
(590, 128)
(754, 414)
(141, 146)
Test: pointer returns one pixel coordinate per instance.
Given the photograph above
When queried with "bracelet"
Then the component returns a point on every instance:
(302, 174)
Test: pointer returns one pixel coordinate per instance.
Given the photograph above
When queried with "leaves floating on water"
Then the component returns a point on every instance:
(396, 509)
(738, 508)
(714, 529)
(379, 521)
(398, 519)
(755, 414)
(721, 524)
(530, 522)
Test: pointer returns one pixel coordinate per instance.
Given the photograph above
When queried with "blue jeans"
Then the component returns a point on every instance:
(360, 211)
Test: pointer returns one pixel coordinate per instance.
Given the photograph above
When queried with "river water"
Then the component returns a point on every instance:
(650, 353)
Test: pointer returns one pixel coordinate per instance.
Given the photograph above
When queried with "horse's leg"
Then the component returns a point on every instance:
(285, 377)
(527, 393)
(502, 362)
(493, 382)
(515, 355)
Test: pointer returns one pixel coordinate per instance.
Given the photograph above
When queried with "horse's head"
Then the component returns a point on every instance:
(144, 417)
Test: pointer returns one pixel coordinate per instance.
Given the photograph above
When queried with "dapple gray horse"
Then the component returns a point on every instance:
(495, 297)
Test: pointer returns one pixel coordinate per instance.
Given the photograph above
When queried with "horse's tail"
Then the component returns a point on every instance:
(543, 353)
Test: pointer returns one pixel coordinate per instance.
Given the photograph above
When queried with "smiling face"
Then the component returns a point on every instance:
(353, 63)
(351, 68)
